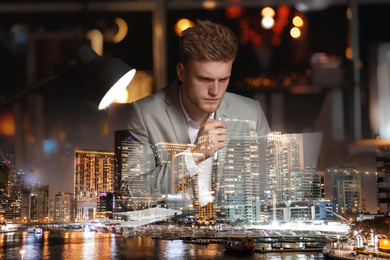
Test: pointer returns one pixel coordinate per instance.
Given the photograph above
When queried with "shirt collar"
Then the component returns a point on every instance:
(188, 118)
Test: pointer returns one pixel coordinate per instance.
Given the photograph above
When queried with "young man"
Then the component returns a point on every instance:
(193, 109)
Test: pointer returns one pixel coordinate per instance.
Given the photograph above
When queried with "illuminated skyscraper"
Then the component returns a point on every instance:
(238, 197)
(64, 207)
(166, 153)
(94, 173)
(130, 166)
(284, 155)
(348, 190)
(305, 185)
(179, 187)
(132, 177)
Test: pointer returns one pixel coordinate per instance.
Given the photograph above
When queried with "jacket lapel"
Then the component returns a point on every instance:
(223, 110)
(175, 114)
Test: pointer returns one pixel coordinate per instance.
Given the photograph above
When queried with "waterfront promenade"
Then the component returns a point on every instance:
(348, 253)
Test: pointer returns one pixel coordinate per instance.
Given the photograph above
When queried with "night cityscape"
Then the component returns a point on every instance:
(75, 184)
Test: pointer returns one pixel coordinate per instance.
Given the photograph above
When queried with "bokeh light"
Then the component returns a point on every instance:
(348, 53)
(233, 11)
(267, 11)
(182, 25)
(297, 21)
(295, 32)
(122, 30)
(267, 22)
(349, 14)
(7, 124)
(209, 4)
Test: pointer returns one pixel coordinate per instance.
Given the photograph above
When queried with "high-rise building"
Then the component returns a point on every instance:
(51, 215)
(348, 190)
(292, 182)
(284, 155)
(167, 154)
(105, 205)
(132, 180)
(129, 164)
(19, 177)
(306, 185)
(64, 207)
(5, 178)
(34, 199)
(39, 207)
(10, 192)
(239, 187)
(94, 173)
(383, 179)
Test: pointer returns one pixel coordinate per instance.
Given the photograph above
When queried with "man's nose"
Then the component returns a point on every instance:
(214, 88)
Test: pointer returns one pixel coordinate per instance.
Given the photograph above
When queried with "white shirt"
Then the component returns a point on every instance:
(203, 169)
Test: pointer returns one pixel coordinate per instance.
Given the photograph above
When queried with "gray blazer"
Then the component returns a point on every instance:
(159, 118)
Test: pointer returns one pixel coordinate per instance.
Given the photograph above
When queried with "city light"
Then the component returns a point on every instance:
(122, 30)
(297, 21)
(348, 53)
(267, 22)
(209, 4)
(7, 124)
(267, 11)
(182, 25)
(295, 32)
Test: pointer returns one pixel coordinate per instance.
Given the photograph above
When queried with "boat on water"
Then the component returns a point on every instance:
(38, 231)
(239, 244)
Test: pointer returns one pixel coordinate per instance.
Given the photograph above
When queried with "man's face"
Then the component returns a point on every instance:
(204, 85)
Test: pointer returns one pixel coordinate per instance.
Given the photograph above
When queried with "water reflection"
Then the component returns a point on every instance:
(92, 245)
(175, 249)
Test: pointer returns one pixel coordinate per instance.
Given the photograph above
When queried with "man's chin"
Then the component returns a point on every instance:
(209, 109)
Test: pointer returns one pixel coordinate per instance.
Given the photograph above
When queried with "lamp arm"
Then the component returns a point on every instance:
(32, 87)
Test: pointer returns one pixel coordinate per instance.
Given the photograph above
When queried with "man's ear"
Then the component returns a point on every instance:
(180, 70)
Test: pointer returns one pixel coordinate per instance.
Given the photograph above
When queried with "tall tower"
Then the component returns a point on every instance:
(94, 173)
(348, 190)
(63, 207)
(130, 166)
(238, 197)
(284, 154)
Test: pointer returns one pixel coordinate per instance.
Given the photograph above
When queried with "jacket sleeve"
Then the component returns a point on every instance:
(149, 168)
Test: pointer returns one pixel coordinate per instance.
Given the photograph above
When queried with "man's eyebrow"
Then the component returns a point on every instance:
(208, 77)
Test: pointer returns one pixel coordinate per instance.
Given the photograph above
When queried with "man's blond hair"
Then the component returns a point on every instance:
(208, 41)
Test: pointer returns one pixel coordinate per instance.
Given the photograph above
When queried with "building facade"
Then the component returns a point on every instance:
(383, 180)
(348, 190)
(284, 155)
(94, 173)
(64, 207)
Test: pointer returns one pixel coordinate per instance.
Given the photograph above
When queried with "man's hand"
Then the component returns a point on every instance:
(211, 138)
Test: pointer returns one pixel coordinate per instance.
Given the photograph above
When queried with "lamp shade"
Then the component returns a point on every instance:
(104, 73)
